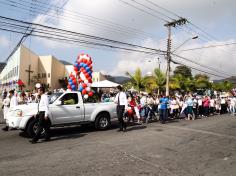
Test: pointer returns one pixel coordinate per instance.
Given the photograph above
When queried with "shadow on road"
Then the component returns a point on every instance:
(137, 127)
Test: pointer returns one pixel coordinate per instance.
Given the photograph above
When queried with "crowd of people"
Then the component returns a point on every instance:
(142, 107)
(132, 107)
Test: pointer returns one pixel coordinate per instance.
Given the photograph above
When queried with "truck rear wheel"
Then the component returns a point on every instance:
(102, 121)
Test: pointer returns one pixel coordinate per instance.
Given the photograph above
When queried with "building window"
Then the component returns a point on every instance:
(48, 75)
(39, 75)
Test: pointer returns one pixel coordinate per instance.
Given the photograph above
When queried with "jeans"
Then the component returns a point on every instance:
(163, 115)
(120, 114)
(42, 124)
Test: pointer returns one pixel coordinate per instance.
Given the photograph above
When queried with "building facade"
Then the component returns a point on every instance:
(28, 68)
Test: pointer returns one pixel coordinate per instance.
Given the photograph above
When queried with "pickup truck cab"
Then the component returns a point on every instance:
(65, 109)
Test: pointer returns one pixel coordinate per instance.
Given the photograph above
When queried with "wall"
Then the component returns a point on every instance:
(44, 70)
(28, 58)
(58, 72)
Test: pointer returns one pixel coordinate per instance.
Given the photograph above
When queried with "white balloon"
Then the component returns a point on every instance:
(86, 81)
(38, 85)
(89, 84)
(88, 89)
(82, 76)
(86, 96)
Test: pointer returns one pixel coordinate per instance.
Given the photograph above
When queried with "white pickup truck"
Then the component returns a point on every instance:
(65, 109)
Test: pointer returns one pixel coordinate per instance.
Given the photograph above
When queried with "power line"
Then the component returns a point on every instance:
(149, 8)
(23, 38)
(142, 10)
(81, 34)
(202, 65)
(80, 41)
(197, 69)
(78, 18)
(209, 46)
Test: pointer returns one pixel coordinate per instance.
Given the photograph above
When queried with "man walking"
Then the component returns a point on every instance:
(163, 109)
(43, 111)
(122, 105)
(9, 103)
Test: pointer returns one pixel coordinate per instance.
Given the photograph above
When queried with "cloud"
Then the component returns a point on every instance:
(4, 42)
(212, 15)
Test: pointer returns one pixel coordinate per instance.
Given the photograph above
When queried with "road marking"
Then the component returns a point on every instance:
(203, 131)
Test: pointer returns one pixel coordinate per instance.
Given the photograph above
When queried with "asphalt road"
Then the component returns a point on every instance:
(205, 147)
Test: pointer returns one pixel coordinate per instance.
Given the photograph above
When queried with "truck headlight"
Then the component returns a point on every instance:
(18, 113)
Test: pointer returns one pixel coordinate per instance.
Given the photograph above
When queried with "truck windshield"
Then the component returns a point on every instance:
(54, 96)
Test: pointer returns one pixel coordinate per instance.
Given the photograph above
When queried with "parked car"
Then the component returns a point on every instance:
(65, 109)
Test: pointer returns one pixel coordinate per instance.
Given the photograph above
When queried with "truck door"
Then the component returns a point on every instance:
(69, 110)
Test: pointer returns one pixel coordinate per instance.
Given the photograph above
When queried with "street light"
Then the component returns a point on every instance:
(193, 38)
(169, 58)
(159, 62)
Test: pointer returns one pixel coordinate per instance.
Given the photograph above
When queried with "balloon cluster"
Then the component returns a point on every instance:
(72, 82)
(83, 69)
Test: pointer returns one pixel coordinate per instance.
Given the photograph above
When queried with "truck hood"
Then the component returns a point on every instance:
(27, 109)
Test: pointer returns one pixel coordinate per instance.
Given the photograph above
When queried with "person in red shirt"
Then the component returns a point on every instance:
(206, 104)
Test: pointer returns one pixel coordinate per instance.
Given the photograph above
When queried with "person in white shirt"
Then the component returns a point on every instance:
(122, 105)
(212, 106)
(13, 98)
(200, 106)
(9, 103)
(232, 105)
(6, 106)
(43, 113)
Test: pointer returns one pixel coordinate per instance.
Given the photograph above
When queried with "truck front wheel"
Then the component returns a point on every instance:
(102, 121)
(32, 128)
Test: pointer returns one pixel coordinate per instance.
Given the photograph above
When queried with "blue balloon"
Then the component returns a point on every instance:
(87, 69)
(76, 65)
(81, 64)
(80, 88)
(73, 87)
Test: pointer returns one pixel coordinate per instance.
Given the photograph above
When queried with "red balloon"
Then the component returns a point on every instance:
(90, 94)
(90, 80)
(75, 69)
(86, 75)
(69, 87)
(89, 63)
(85, 61)
(130, 111)
(84, 85)
(84, 91)
(74, 81)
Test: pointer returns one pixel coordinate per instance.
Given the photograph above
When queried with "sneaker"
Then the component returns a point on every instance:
(5, 128)
(32, 141)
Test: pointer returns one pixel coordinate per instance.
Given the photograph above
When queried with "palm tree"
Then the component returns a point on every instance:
(137, 80)
(160, 79)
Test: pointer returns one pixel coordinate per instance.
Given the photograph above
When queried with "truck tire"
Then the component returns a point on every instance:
(32, 127)
(102, 121)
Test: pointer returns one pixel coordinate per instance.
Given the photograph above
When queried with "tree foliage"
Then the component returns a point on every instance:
(183, 70)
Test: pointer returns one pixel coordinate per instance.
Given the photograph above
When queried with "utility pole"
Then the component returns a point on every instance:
(159, 63)
(179, 22)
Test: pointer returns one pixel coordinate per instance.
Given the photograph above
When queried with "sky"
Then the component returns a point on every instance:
(116, 20)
